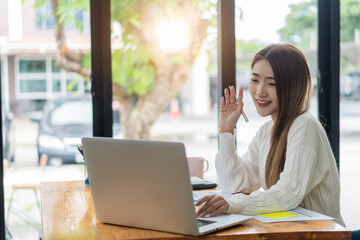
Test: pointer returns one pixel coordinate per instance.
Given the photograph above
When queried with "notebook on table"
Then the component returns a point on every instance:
(146, 184)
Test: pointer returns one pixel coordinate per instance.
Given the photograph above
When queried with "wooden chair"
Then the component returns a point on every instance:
(5, 165)
(30, 186)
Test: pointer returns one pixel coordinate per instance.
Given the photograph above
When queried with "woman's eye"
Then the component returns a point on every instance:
(272, 84)
(254, 80)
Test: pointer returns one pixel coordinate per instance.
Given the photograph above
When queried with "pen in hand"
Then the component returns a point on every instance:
(243, 112)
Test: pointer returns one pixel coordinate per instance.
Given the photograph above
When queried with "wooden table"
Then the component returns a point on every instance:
(68, 213)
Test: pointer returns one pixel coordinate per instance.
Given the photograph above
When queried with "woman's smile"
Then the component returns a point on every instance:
(263, 103)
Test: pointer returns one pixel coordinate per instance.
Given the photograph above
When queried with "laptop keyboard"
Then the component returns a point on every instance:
(202, 222)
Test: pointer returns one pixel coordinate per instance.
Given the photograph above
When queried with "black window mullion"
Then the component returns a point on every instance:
(101, 80)
(328, 70)
(226, 47)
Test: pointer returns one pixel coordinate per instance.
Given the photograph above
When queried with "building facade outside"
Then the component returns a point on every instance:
(28, 56)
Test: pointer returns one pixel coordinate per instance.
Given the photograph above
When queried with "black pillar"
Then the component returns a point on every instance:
(328, 70)
(101, 82)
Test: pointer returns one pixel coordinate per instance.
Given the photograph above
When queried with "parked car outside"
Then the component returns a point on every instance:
(352, 85)
(64, 122)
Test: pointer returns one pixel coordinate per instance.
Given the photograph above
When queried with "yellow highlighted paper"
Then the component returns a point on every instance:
(279, 215)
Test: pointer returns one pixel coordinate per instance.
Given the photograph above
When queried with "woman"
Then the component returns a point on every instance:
(290, 157)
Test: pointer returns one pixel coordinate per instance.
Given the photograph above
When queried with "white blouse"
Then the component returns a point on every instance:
(310, 178)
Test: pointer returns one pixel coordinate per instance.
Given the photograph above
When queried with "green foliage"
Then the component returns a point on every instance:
(244, 47)
(73, 84)
(132, 70)
(86, 63)
(349, 19)
(177, 60)
(68, 10)
(38, 4)
(133, 65)
(301, 22)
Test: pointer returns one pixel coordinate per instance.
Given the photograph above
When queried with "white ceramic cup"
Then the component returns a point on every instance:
(196, 166)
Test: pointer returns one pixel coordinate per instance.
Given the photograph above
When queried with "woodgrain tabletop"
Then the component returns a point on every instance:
(68, 213)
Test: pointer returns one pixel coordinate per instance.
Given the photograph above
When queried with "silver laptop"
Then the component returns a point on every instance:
(146, 184)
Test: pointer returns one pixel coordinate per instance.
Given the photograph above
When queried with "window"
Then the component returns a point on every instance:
(56, 85)
(32, 66)
(44, 77)
(44, 18)
(54, 68)
(32, 85)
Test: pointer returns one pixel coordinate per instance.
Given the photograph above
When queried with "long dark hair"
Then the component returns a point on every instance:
(293, 88)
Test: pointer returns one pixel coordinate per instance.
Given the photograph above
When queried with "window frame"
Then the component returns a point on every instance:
(101, 74)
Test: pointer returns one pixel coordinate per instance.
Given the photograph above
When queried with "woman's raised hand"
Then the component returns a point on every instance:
(230, 109)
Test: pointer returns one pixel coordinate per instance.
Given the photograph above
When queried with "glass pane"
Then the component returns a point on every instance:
(349, 110)
(72, 85)
(54, 67)
(32, 86)
(87, 86)
(164, 63)
(56, 85)
(42, 82)
(32, 66)
(44, 20)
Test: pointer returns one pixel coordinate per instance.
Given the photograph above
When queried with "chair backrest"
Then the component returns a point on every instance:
(43, 160)
(42, 164)
(5, 165)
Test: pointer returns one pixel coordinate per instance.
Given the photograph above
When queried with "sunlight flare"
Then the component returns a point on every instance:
(173, 34)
